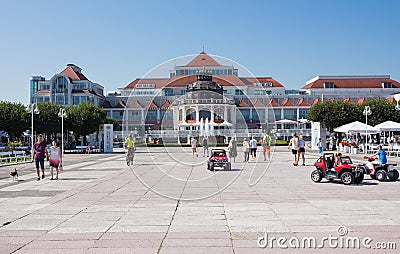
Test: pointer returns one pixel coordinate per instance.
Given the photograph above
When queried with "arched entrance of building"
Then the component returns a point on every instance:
(190, 114)
(205, 113)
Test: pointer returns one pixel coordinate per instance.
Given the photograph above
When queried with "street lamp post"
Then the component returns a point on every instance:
(33, 109)
(62, 114)
(366, 112)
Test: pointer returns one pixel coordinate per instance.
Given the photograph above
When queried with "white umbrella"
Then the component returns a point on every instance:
(286, 121)
(226, 123)
(357, 127)
(388, 126)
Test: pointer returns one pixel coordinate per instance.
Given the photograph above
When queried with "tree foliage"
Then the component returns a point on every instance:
(84, 119)
(109, 120)
(381, 111)
(47, 121)
(13, 118)
(333, 113)
(337, 113)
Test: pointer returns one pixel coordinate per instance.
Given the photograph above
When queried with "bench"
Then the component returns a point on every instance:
(19, 155)
(5, 156)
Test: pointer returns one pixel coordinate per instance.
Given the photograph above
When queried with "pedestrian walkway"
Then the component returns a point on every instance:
(100, 205)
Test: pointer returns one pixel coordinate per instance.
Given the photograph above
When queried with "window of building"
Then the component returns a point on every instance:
(169, 92)
(329, 85)
(303, 113)
(80, 86)
(245, 113)
(183, 92)
(290, 114)
(239, 92)
(387, 85)
(277, 113)
(151, 115)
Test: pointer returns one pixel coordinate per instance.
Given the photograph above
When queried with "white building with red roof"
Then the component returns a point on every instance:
(255, 103)
(69, 87)
(352, 86)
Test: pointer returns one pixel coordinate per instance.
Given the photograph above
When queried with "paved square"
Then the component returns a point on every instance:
(100, 205)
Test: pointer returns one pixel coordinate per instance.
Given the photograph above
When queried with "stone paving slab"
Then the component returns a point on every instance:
(101, 206)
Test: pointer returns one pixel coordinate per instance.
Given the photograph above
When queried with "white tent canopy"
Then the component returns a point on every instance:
(357, 127)
(286, 121)
(388, 126)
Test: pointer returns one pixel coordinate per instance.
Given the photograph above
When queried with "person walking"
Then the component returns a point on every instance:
(55, 159)
(129, 144)
(39, 153)
(266, 144)
(319, 144)
(194, 147)
(232, 148)
(246, 149)
(253, 148)
(205, 146)
(302, 149)
(294, 144)
(88, 148)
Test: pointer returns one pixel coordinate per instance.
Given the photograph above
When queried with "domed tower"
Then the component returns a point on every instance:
(204, 110)
(204, 87)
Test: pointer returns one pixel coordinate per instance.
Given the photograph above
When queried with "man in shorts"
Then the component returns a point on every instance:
(39, 153)
(194, 147)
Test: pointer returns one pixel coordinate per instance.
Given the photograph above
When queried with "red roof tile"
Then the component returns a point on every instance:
(183, 81)
(203, 59)
(120, 104)
(135, 104)
(258, 103)
(303, 102)
(166, 105)
(273, 103)
(287, 103)
(352, 82)
(152, 105)
(106, 104)
(69, 72)
(316, 100)
(242, 103)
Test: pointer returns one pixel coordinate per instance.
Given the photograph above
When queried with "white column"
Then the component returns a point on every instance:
(197, 114)
(158, 115)
(251, 115)
(143, 119)
(225, 113)
(126, 120)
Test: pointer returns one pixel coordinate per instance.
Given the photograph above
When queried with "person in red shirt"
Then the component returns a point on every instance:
(39, 153)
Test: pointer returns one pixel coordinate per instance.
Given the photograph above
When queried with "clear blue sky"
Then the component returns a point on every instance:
(115, 42)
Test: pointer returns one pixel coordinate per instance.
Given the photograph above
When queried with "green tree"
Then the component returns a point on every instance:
(382, 110)
(109, 120)
(13, 118)
(333, 113)
(84, 119)
(47, 121)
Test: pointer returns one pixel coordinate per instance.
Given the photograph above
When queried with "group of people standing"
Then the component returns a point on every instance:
(249, 147)
(297, 144)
